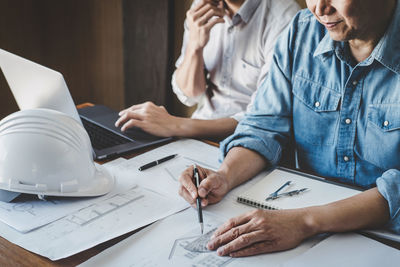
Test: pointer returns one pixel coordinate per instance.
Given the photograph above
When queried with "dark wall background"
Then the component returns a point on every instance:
(112, 52)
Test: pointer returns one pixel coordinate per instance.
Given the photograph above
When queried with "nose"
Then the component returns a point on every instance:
(323, 7)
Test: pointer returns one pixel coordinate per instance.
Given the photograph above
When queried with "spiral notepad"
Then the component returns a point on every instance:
(319, 191)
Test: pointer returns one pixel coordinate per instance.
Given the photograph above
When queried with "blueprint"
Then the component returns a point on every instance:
(27, 212)
(176, 241)
(95, 224)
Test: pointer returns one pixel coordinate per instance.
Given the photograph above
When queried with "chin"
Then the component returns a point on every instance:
(339, 36)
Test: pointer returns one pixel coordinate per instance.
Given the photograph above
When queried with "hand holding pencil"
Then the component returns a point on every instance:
(212, 188)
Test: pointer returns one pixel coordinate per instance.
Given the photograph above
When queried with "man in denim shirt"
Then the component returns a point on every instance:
(334, 90)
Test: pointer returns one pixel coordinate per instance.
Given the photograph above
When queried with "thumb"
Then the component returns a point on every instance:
(206, 186)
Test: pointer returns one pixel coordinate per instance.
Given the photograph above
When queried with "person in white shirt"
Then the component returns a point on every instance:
(226, 53)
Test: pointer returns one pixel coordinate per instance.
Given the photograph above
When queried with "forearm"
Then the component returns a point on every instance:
(365, 210)
(213, 129)
(241, 164)
(190, 74)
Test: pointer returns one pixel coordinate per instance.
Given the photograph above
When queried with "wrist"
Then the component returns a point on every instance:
(194, 50)
(225, 174)
(176, 126)
(309, 221)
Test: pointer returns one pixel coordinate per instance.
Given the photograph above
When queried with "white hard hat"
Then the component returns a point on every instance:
(46, 152)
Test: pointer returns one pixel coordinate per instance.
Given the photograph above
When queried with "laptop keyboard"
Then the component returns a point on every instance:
(102, 138)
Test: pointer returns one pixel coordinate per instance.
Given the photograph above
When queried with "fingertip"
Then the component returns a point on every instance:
(220, 251)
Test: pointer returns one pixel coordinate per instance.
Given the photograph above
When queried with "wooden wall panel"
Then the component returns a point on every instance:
(148, 38)
(81, 39)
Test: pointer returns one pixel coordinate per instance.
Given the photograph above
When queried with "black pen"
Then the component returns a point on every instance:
(198, 200)
(156, 162)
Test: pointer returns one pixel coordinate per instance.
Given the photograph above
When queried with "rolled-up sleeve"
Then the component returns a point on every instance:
(389, 186)
(188, 101)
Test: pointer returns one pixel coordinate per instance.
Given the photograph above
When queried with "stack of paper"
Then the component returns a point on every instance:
(138, 199)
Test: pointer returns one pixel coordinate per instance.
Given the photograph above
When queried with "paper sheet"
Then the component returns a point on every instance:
(159, 245)
(170, 242)
(27, 212)
(163, 178)
(95, 224)
(347, 250)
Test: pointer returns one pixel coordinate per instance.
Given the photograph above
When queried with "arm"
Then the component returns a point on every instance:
(366, 210)
(200, 19)
(157, 121)
(264, 231)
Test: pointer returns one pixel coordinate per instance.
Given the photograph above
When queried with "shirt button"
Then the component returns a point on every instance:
(355, 83)
(385, 123)
(347, 121)
(346, 158)
(317, 104)
(230, 29)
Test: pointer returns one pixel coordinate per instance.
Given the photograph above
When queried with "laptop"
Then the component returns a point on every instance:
(35, 86)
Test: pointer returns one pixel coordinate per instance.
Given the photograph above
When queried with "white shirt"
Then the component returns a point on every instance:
(237, 57)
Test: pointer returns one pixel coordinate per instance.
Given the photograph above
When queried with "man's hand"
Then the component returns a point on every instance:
(149, 117)
(213, 186)
(261, 231)
(200, 19)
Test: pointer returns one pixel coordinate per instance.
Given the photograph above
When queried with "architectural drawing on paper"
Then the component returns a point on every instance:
(194, 249)
(101, 209)
(200, 243)
(203, 164)
(24, 207)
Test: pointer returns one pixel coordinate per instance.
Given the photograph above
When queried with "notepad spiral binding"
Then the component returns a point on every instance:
(256, 204)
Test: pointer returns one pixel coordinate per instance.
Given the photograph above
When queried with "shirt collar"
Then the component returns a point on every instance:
(326, 45)
(246, 11)
(387, 51)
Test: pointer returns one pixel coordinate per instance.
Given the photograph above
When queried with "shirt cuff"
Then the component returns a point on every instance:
(389, 187)
(188, 101)
(238, 116)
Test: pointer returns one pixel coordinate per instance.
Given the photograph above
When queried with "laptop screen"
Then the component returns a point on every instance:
(35, 86)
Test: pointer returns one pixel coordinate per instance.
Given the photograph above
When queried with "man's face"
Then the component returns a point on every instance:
(347, 19)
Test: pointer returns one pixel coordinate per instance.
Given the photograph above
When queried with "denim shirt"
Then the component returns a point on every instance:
(342, 116)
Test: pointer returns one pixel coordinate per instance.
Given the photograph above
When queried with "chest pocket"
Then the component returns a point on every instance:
(382, 139)
(247, 75)
(315, 112)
